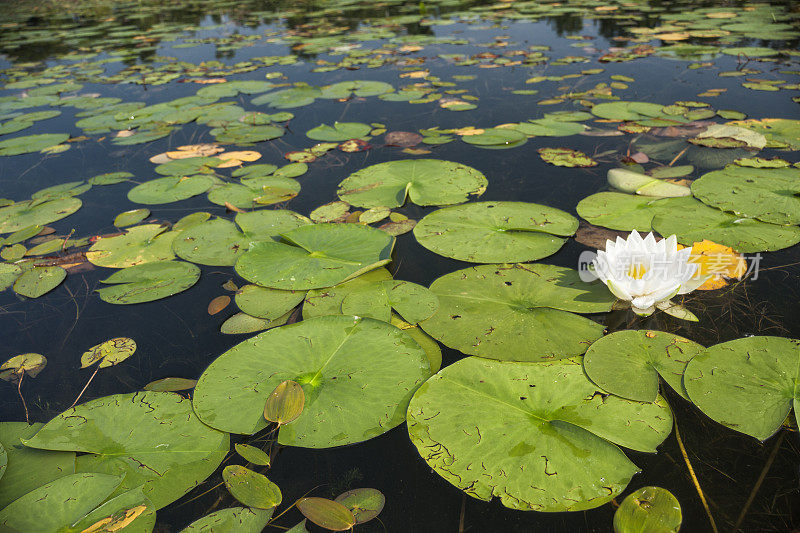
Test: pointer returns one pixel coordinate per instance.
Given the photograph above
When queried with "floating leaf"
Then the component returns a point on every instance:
(8, 274)
(377, 300)
(149, 281)
(218, 242)
(327, 513)
(109, 353)
(566, 157)
(130, 218)
(340, 131)
(365, 504)
(747, 384)
(421, 181)
(171, 384)
(251, 488)
(27, 364)
(621, 211)
(328, 301)
(254, 455)
(241, 323)
(628, 363)
(170, 189)
(31, 143)
(330, 212)
(770, 195)
(140, 244)
(318, 255)
(162, 444)
(285, 403)
(693, 221)
(544, 439)
(649, 509)
(263, 302)
(495, 232)
(218, 304)
(238, 519)
(39, 281)
(644, 185)
(496, 138)
(28, 468)
(521, 312)
(357, 375)
(24, 214)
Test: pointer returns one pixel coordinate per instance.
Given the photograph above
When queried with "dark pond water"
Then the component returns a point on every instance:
(177, 337)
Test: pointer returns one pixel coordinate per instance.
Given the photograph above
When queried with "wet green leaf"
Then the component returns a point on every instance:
(24, 214)
(263, 302)
(39, 281)
(130, 218)
(27, 364)
(148, 282)
(648, 510)
(365, 504)
(109, 353)
(170, 189)
(254, 455)
(285, 403)
(340, 131)
(327, 513)
(232, 520)
(251, 488)
(138, 245)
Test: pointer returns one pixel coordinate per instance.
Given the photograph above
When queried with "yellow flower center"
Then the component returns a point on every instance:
(637, 271)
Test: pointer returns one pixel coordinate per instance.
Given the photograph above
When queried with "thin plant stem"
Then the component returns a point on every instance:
(19, 391)
(759, 481)
(85, 387)
(694, 479)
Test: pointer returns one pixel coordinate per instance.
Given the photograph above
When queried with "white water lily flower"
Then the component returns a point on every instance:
(647, 273)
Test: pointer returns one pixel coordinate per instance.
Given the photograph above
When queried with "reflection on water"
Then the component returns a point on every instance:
(150, 52)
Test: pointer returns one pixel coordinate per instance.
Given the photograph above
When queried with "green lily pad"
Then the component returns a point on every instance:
(28, 468)
(747, 384)
(330, 212)
(692, 221)
(648, 510)
(496, 137)
(328, 301)
(109, 353)
(233, 88)
(780, 131)
(422, 181)
(770, 195)
(543, 439)
(242, 323)
(59, 504)
(110, 178)
(550, 127)
(239, 133)
(357, 374)
(132, 217)
(377, 300)
(218, 242)
(162, 444)
(147, 282)
(251, 488)
(566, 157)
(644, 185)
(495, 232)
(8, 274)
(263, 302)
(340, 131)
(39, 281)
(365, 504)
(139, 244)
(620, 211)
(348, 89)
(522, 312)
(233, 519)
(170, 189)
(289, 98)
(634, 111)
(31, 143)
(627, 363)
(254, 455)
(750, 51)
(254, 192)
(23, 214)
(326, 513)
(315, 256)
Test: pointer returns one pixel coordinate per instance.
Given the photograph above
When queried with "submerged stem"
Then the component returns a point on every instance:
(19, 391)
(694, 479)
(759, 481)
(84, 388)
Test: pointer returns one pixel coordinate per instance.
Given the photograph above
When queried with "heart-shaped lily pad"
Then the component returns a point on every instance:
(411, 301)
(627, 363)
(357, 374)
(770, 195)
(522, 312)
(31, 143)
(421, 181)
(218, 242)
(748, 384)
(328, 301)
(692, 221)
(314, 256)
(239, 519)
(650, 510)
(139, 244)
(495, 232)
(39, 281)
(162, 444)
(147, 282)
(263, 302)
(170, 189)
(340, 131)
(620, 211)
(24, 214)
(543, 438)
